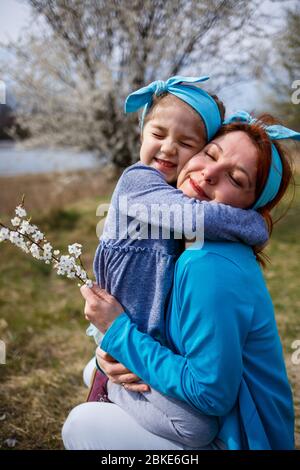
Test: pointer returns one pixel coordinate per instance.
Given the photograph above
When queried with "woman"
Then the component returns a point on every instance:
(224, 356)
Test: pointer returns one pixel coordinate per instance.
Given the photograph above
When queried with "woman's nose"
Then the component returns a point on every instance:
(210, 174)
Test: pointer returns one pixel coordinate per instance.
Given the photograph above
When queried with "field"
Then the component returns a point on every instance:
(41, 315)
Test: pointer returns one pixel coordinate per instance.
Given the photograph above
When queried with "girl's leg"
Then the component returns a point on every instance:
(167, 417)
(105, 426)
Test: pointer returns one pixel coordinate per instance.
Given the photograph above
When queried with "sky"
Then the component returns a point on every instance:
(15, 15)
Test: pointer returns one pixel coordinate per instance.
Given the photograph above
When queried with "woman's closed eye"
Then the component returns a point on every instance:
(234, 181)
(210, 156)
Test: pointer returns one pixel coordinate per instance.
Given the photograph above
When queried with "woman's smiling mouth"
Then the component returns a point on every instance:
(198, 189)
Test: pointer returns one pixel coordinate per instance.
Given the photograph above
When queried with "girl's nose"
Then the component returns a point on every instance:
(168, 147)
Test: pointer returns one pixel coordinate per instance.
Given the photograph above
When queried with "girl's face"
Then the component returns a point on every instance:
(224, 171)
(173, 134)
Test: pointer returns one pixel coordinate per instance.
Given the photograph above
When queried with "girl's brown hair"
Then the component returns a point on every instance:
(262, 143)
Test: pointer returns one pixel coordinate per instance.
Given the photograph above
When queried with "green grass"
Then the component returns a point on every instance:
(42, 323)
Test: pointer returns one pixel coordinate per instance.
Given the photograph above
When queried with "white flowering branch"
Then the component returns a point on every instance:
(30, 239)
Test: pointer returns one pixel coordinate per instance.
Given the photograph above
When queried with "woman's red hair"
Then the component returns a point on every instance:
(260, 139)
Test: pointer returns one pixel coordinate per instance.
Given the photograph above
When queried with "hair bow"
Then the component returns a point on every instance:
(183, 88)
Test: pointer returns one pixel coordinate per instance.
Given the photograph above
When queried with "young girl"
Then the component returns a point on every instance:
(178, 120)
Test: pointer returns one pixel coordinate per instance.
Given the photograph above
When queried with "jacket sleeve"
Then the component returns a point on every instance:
(146, 190)
(213, 320)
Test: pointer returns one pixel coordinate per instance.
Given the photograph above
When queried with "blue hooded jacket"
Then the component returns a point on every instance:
(224, 355)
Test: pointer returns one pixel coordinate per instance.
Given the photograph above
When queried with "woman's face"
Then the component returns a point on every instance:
(224, 171)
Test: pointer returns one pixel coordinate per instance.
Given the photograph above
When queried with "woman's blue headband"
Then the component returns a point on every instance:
(275, 132)
(181, 87)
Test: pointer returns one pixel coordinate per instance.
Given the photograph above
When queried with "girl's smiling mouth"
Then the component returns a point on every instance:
(165, 164)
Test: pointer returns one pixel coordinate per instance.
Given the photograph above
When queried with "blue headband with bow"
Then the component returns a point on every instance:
(275, 132)
(181, 87)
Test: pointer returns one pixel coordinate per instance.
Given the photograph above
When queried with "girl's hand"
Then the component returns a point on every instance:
(101, 308)
(119, 374)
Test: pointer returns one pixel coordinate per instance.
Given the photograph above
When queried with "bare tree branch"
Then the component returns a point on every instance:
(71, 82)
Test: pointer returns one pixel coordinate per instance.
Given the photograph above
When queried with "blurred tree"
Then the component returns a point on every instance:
(70, 82)
(285, 87)
(6, 121)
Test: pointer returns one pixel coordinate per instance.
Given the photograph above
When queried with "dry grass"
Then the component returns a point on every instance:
(51, 191)
(41, 317)
(46, 384)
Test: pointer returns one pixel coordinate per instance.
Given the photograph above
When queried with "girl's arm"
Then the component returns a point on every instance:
(213, 319)
(147, 194)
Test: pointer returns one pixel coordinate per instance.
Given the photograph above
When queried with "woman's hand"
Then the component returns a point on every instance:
(119, 374)
(101, 308)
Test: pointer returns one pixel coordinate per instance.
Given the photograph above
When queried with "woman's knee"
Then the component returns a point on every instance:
(68, 430)
(75, 431)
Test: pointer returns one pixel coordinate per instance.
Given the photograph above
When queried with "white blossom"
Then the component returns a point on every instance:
(71, 275)
(80, 272)
(25, 227)
(47, 251)
(34, 250)
(16, 221)
(47, 247)
(20, 241)
(32, 228)
(37, 236)
(28, 238)
(4, 234)
(75, 249)
(13, 236)
(20, 211)
(25, 248)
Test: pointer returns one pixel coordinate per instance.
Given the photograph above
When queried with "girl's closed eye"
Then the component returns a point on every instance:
(186, 144)
(159, 136)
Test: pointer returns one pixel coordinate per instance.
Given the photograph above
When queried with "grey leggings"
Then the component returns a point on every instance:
(167, 417)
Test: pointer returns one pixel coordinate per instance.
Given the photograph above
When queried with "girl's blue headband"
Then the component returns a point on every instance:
(275, 132)
(179, 86)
